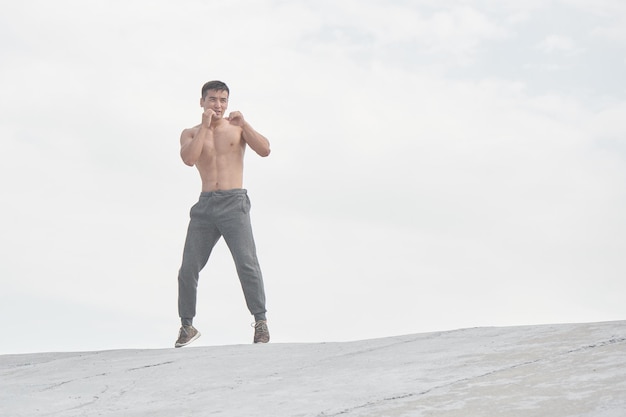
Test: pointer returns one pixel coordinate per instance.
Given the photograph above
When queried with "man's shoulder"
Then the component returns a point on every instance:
(190, 131)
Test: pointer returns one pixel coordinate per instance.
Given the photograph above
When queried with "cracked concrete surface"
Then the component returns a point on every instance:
(549, 370)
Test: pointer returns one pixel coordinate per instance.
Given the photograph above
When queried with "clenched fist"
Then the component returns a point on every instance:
(207, 117)
(236, 118)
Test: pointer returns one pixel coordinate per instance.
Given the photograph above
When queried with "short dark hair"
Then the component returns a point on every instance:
(214, 85)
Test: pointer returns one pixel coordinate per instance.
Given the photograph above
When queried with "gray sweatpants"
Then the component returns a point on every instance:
(216, 214)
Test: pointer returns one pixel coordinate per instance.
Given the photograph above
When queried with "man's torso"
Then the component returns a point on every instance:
(221, 162)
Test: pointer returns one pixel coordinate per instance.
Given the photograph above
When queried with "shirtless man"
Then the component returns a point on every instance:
(216, 147)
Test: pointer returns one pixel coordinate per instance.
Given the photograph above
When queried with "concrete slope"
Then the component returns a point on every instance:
(548, 370)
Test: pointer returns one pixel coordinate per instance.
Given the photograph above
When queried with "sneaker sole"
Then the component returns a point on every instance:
(179, 345)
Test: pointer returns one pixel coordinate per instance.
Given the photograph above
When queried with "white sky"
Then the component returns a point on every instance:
(433, 167)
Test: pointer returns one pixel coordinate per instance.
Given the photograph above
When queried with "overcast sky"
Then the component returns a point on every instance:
(435, 165)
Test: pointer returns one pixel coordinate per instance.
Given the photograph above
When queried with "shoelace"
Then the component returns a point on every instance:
(182, 330)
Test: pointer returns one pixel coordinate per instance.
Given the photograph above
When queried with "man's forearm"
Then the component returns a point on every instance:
(191, 150)
(255, 140)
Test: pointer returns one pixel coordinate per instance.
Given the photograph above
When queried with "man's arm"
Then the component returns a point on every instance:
(191, 146)
(254, 139)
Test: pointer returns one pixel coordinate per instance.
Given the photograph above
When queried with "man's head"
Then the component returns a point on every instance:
(215, 97)
(214, 85)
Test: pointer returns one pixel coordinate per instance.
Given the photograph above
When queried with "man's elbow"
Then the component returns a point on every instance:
(188, 161)
(265, 152)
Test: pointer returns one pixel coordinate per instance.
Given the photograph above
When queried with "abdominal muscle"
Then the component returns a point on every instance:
(221, 172)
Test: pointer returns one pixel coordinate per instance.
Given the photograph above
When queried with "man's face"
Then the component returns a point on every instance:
(216, 101)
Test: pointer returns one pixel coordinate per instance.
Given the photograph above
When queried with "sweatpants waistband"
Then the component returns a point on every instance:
(235, 191)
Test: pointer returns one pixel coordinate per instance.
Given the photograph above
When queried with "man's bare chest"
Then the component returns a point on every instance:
(222, 141)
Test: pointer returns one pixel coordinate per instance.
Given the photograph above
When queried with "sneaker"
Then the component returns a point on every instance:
(261, 333)
(186, 335)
